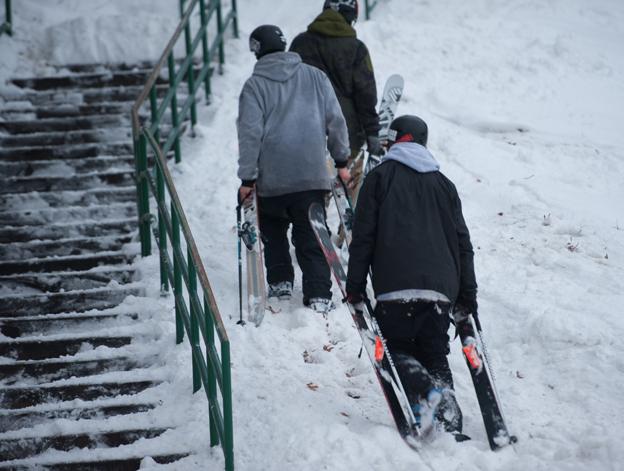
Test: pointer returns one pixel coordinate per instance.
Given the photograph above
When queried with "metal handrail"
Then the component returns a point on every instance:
(7, 26)
(200, 314)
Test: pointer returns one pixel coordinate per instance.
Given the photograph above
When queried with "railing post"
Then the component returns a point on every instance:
(174, 107)
(9, 17)
(205, 53)
(235, 18)
(212, 378)
(162, 229)
(177, 271)
(228, 432)
(154, 112)
(221, 38)
(189, 73)
(140, 149)
(192, 288)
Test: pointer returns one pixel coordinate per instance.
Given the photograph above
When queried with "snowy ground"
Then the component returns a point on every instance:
(524, 102)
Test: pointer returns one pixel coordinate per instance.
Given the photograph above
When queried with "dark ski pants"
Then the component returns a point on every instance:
(277, 213)
(416, 335)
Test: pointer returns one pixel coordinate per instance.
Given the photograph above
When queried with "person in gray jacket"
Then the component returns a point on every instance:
(288, 116)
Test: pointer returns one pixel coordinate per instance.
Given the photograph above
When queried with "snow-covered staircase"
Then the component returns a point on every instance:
(76, 367)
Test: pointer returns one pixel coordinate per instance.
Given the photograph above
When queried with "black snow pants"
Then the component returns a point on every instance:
(276, 215)
(417, 331)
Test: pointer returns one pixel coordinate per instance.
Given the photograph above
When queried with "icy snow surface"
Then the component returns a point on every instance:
(524, 102)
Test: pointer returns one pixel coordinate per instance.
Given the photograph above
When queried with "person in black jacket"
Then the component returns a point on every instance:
(331, 44)
(409, 229)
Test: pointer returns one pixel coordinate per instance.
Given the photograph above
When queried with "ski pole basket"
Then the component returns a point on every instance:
(156, 136)
(7, 25)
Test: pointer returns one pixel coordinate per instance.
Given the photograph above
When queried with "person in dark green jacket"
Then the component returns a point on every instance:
(331, 44)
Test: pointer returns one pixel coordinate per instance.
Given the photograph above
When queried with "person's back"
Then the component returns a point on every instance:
(409, 229)
(292, 98)
(331, 44)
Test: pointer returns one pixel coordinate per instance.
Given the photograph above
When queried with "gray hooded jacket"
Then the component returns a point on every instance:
(288, 115)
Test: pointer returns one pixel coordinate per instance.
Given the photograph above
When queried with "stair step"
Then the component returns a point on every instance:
(89, 96)
(43, 349)
(19, 398)
(125, 464)
(66, 263)
(63, 138)
(73, 151)
(105, 78)
(68, 124)
(14, 111)
(61, 199)
(70, 182)
(66, 231)
(52, 168)
(65, 247)
(72, 301)
(56, 282)
(92, 67)
(48, 371)
(54, 324)
(19, 448)
(15, 420)
(77, 213)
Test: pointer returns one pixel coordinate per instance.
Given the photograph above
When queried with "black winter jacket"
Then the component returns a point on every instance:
(331, 45)
(409, 227)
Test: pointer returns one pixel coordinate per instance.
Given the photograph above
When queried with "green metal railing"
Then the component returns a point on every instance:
(196, 310)
(369, 7)
(7, 26)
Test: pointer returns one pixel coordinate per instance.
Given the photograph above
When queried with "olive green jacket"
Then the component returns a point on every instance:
(331, 44)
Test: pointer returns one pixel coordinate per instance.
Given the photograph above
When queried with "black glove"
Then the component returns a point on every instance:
(374, 146)
(353, 298)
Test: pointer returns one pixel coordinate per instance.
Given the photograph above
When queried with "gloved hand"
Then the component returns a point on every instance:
(374, 146)
(353, 298)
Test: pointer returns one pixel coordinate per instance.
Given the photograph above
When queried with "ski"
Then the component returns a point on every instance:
(249, 233)
(372, 340)
(473, 349)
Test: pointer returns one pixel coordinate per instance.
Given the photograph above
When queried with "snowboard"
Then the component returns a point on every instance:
(344, 208)
(372, 340)
(250, 235)
(392, 93)
(474, 352)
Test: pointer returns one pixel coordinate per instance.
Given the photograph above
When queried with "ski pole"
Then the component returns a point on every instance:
(240, 265)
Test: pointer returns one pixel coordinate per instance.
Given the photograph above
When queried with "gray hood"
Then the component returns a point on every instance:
(278, 66)
(413, 155)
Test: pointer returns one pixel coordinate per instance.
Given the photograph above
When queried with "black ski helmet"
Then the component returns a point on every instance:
(347, 8)
(266, 39)
(408, 128)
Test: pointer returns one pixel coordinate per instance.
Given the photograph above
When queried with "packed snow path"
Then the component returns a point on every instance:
(82, 367)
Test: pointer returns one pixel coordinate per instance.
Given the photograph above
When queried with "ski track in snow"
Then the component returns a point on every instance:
(523, 100)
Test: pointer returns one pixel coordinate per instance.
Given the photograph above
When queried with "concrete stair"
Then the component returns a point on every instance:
(71, 350)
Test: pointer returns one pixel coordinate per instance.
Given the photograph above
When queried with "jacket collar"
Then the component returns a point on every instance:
(331, 23)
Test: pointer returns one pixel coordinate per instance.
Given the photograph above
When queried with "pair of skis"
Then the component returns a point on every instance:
(249, 235)
(472, 347)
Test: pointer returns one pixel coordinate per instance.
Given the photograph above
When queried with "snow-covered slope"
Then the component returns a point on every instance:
(524, 105)
(524, 102)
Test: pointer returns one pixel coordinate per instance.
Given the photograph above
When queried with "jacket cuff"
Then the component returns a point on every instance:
(341, 164)
(248, 183)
